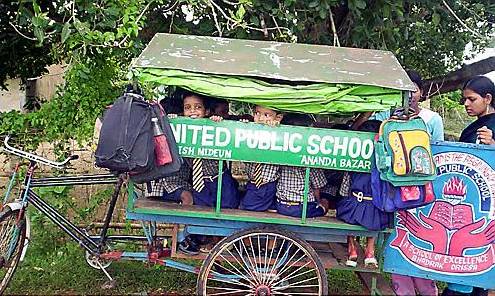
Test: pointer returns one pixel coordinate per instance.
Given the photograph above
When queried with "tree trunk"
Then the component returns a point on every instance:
(456, 79)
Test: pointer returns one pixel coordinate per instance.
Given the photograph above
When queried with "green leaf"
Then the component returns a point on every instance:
(59, 189)
(240, 12)
(361, 4)
(313, 3)
(65, 32)
(39, 34)
(254, 20)
(323, 13)
(435, 19)
(36, 8)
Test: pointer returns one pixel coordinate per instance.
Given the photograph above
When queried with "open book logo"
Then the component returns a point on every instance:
(454, 190)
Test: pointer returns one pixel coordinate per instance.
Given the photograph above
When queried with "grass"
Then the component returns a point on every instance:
(56, 266)
(65, 272)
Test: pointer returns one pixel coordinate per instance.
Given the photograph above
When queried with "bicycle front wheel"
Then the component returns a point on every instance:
(12, 236)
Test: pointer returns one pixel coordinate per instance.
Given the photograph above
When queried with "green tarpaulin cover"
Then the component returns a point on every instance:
(317, 98)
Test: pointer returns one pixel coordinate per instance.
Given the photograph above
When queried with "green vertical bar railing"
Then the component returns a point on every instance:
(131, 196)
(219, 186)
(305, 196)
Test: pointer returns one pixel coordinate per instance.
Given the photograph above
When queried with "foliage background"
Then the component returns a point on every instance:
(98, 39)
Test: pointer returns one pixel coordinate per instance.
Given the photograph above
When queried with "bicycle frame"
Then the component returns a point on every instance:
(93, 244)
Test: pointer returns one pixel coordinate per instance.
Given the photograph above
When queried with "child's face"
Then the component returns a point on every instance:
(265, 115)
(222, 110)
(194, 107)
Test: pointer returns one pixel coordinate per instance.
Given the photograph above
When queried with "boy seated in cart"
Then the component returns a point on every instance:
(262, 177)
(175, 187)
(195, 182)
(205, 171)
(290, 185)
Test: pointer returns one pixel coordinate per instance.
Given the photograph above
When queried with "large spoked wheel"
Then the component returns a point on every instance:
(12, 236)
(262, 262)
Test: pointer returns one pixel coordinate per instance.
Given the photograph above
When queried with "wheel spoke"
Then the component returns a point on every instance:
(244, 266)
(229, 281)
(229, 290)
(260, 261)
(252, 267)
(292, 293)
(12, 234)
(257, 269)
(271, 253)
(260, 272)
(6, 230)
(289, 276)
(265, 274)
(287, 266)
(293, 285)
(239, 272)
(275, 263)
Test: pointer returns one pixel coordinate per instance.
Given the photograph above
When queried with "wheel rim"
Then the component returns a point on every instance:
(263, 264)
(10, 248)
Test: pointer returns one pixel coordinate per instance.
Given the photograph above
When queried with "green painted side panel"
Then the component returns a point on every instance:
(277, 60)
(281, 220)
(286, 145)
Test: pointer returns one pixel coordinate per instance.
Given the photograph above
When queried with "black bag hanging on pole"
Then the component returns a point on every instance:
(126, 143)
(126, 137)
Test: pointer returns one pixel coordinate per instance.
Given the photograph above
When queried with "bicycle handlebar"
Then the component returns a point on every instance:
(36, 158)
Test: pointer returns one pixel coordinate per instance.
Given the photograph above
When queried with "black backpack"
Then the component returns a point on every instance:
(156, 172)
(126, 140)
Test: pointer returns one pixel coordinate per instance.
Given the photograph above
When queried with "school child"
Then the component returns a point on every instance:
(356, 207)
(175, 187)
(262, 178)
(205, 174)
(290, 185)
(220, 107)
(205, 171)
(334, 177)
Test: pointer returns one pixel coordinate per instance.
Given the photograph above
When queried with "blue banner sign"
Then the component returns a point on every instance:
(452, 239)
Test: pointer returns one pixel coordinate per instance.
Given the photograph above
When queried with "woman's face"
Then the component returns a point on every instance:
(475, 104)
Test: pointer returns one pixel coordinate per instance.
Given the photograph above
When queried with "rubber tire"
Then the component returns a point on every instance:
(7, 213)
(202, 277)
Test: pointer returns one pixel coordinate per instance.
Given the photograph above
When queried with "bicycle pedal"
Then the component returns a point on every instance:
(109, 284)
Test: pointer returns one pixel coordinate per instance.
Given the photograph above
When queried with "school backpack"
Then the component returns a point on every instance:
(403, 152)
(126, 141)
(390, 198)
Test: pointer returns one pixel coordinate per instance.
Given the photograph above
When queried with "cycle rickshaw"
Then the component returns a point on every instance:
(262, 253)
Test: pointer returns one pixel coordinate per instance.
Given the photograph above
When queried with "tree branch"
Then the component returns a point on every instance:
(137, 21)
(456, 79)
(336, 41)
(236, 23)
(19, 32)
(215, 19)
(460, 21)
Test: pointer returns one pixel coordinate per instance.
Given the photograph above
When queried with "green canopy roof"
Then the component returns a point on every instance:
(324, 79)
(278, 60)
(315, 98)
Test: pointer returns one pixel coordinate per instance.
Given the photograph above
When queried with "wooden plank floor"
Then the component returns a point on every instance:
(158, 206)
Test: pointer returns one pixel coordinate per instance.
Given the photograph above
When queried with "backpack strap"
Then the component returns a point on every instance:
(126, 114)
(124, 120)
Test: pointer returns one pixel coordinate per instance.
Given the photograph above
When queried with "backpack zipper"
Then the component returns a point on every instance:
(406, 155)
